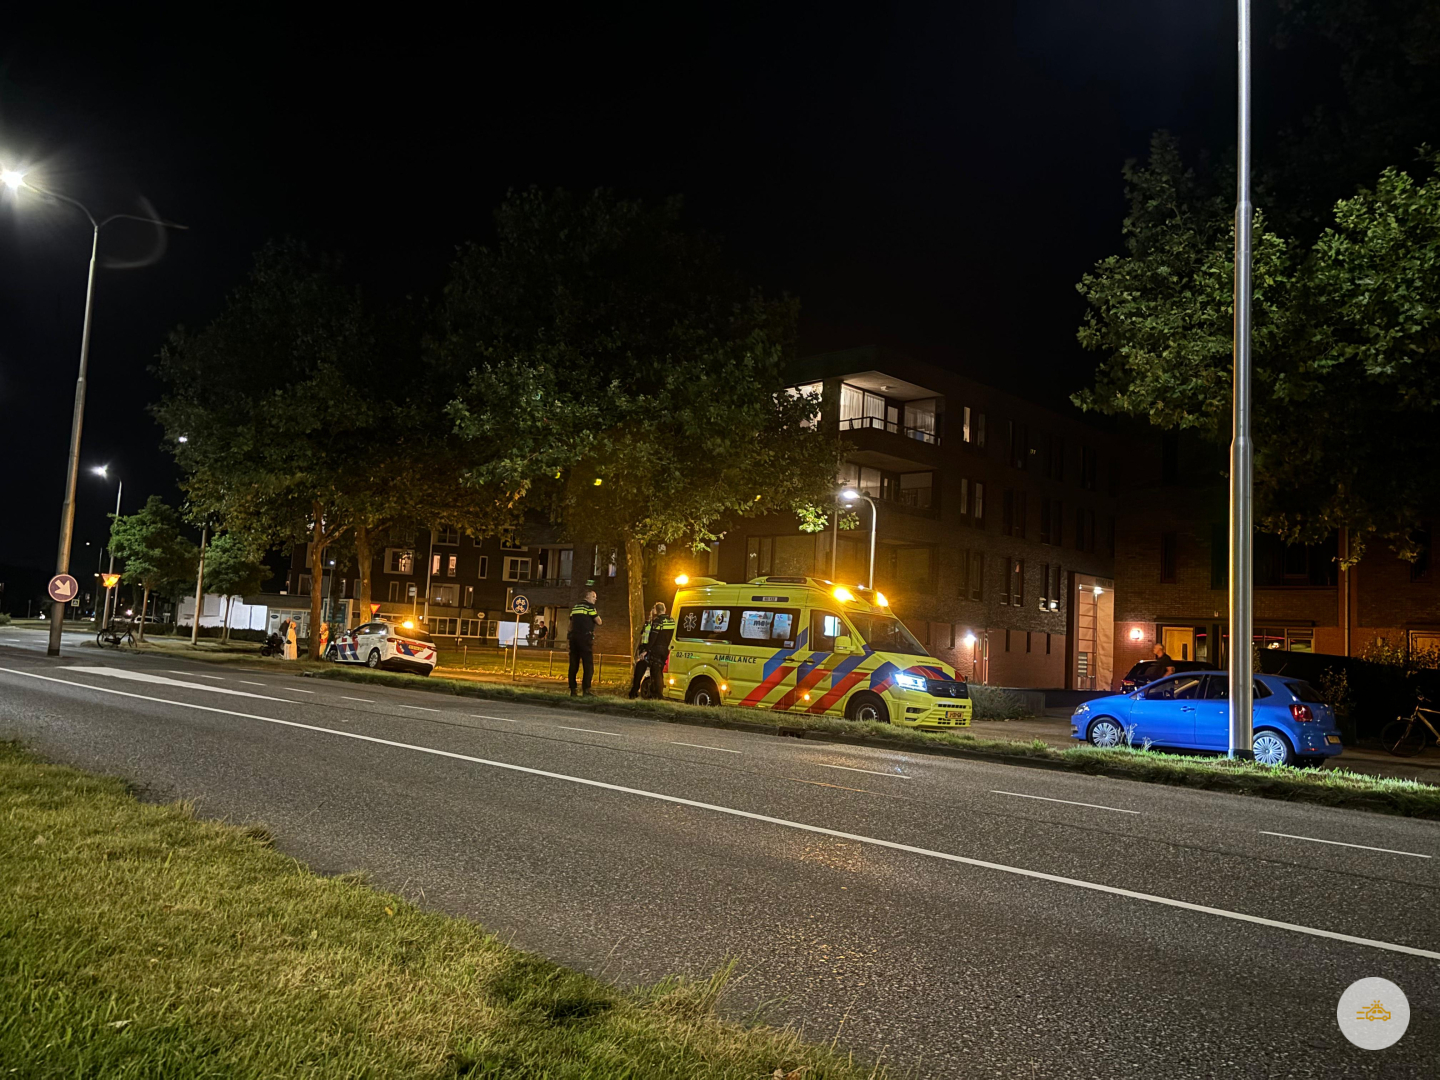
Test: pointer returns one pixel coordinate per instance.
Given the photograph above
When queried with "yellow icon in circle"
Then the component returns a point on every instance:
(1373, 1011)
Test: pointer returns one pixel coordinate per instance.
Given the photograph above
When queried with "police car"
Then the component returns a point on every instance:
(387, 644)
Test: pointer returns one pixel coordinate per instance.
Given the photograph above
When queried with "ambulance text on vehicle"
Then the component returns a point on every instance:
(805, 645)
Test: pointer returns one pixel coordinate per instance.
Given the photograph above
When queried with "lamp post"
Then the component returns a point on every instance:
(199, 587)
(1241, 448)
(850, 495)
(16, 181)
(104, 471)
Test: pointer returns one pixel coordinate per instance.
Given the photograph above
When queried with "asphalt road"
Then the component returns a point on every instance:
(957, 918)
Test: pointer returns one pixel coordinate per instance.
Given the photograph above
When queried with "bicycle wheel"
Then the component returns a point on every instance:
(100, 640)
(1403, 737)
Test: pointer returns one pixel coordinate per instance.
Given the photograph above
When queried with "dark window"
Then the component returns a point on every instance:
(1217, 688)
(1303, 691)
(1089, 467)
(1022, 502)
(1084, 529)
(980, 430)
(1056, 469)
(1013, 586)
(1045, 521)
(1047, 644)
(1169, 545)
(1019, 445)
(1170, 457)
(1007, 640)
(977, 575)
(1178, 688)
(1028, 642)
(977, 508)
(1007, 512)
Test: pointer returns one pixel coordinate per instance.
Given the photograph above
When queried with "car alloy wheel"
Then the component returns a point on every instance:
(1270, 748)
(1105, 733)
(373, 660)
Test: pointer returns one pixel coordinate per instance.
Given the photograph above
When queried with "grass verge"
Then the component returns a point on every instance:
(137, 941)
(1327, 787)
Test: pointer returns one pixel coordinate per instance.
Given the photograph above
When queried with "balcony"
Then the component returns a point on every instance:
(884, 444)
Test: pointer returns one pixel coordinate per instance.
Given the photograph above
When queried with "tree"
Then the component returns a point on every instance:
(1346, 346)
(232, 565)
(622, 377)
(272, 409)
(156, 555)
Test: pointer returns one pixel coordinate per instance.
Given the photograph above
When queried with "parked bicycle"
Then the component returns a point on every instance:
(118, 633)
(1406, 736)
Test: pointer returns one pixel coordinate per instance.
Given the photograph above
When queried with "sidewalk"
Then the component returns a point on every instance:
(1054, 728)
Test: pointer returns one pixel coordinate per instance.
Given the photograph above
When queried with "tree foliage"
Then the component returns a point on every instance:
(156, 554)
(233, 565)
(1346, 346)
(619, 374)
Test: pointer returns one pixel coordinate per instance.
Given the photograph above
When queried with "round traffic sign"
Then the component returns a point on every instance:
(520, 605)
(63, 588)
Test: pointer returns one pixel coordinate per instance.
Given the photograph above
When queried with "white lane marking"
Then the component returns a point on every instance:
(368, 701)
(161, 680)
(1338, 843)
(872, 772)
(589, 731)
(702, 746)
(247, 682)
(1067, 802)
(800, 826)
(419, 708)
(482, 716)
(195, 674)
(296, 690)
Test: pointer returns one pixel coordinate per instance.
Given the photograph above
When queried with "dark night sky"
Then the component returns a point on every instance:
(921, 175)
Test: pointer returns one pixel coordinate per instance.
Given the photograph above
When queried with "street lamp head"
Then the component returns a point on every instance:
(101, 470)
(12, 178)
(849, 494)
(183, 438)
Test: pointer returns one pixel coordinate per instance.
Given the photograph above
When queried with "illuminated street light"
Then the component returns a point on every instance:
(850, 495)
(16, 181)
(103, 471)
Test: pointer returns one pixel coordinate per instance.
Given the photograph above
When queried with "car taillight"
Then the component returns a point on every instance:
(1302, 712)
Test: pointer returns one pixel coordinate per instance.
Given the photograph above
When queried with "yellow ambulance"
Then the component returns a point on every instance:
(806, 645)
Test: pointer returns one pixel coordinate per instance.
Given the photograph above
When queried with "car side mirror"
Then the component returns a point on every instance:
(843, 644)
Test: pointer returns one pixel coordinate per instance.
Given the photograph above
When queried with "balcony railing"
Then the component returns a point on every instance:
(879, 423)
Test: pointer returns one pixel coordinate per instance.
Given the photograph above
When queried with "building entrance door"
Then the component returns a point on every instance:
(1179, 642)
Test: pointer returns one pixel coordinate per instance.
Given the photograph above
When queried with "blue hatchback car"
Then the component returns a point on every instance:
(1291, 726)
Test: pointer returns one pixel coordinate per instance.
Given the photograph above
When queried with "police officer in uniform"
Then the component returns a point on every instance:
(654, 651)
(583, 621)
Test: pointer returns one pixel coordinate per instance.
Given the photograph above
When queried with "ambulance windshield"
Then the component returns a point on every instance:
(884, 634)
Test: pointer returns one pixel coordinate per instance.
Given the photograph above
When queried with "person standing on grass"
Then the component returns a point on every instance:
(538, 630)
(654, 651)
(583, 621)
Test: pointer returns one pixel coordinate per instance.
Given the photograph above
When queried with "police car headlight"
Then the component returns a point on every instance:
(910, 682)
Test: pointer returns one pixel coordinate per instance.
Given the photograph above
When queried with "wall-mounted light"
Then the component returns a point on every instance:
(1136, 634)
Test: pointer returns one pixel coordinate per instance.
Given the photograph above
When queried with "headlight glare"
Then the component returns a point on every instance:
(910, 682)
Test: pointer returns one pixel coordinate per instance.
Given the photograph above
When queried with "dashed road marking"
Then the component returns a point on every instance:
(1339, 843)
(589, 731)
(872, 772)
(702, 746)
(1067, 802)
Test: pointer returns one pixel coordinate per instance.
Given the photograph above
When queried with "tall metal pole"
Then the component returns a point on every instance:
(835, 541)
(199, 587)
(72, 469)
(874, 522)
(110, 592)
(1241, 449)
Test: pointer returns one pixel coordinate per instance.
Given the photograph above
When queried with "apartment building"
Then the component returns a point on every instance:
(1172, 574)
(462, 587)
(994, 519)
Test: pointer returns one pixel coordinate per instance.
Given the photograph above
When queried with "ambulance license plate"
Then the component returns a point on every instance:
(955, 716)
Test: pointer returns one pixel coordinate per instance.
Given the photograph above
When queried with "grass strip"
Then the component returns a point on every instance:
(1325, 787)
(137, 941)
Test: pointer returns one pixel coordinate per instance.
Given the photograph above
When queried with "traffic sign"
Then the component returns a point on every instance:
(374, 608)
(520, 605)
(110, 580)
(63, 588)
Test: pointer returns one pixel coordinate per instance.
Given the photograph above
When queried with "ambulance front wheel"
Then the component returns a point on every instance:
(702, 692)
(868, 708)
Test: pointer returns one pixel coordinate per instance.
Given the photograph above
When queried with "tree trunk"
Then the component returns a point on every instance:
(364, 558)
(144, 604)
(225, 630)
(317, 574)
(635, 587)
